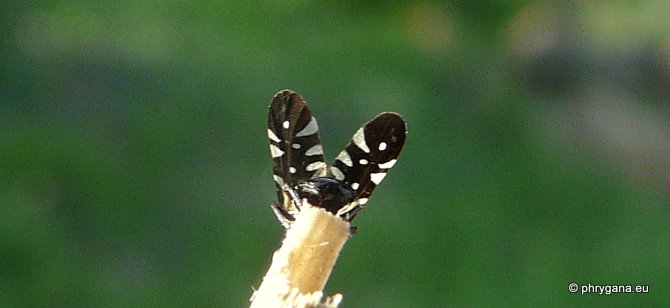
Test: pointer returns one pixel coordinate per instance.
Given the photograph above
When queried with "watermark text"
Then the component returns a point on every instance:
(605, 289)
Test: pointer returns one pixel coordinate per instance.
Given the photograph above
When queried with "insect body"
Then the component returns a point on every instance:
(299, 170)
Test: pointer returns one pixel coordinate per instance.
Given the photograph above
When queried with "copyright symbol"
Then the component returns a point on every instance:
(573, 287)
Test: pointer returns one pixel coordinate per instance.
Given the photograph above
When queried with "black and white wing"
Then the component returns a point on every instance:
(363, 164)
(295, 147)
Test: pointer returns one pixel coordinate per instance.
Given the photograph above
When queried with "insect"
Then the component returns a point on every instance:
(300, 172)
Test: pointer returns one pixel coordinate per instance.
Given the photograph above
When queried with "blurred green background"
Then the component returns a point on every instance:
(135, 171)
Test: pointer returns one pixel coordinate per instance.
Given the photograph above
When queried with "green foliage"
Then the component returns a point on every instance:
(134, 168)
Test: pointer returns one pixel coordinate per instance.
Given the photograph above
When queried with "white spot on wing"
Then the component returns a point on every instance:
(363, 161)
(337, 173)
(292, 170)
(377, 177)
(345, 158)
(310, 129)
(382, 146)
(315, 150)
(388, 164)
(359, 140)
(285, 124)
(344, 211)
(323, 171)
(347, 208)
(362, 201)
(354, 186)
(315, 166)
(275, 151)
(278, 180)
(272, 136)
(295, 146)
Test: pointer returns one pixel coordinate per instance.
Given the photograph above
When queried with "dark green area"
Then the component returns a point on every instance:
(135, 172)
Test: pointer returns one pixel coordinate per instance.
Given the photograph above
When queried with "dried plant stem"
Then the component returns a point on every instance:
(302, 265)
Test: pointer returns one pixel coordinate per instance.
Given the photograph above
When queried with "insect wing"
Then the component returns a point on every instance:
(363, 164)
(295, 147)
